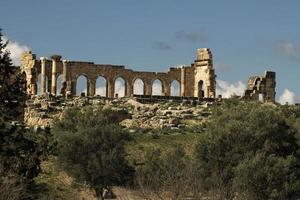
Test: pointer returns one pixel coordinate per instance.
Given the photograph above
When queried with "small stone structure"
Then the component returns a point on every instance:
(196, 80)
(262, 87)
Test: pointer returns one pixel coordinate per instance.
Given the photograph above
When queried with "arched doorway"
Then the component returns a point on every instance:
(120, 87)
(81, 85)
(157, 88)
(200, 89)
(138, 87)
(175, 88)
(101, 86)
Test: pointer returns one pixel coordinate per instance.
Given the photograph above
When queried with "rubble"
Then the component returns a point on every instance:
(42, 111)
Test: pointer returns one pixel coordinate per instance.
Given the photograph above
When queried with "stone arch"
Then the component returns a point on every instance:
(38, 83)
(157, 87)
(138, 86)
(175, 88)
(201, 88)
(101, 86)
(59, 84)
(81, 85)
(120, 86)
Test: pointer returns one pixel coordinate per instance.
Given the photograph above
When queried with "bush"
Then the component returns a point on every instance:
(168, 176)
(90, 146)
(250, 150)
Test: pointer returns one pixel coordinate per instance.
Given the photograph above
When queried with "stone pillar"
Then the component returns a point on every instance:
(148, 87)
(166, 89)
(92, 87)
(65, 71)
(34, 88)
(55, 59)
(128, 88)
(182, 82)
(43, 75)
(110, 88)
(88, 88)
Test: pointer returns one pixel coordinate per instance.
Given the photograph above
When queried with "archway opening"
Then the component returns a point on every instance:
(101, 85)
(81, 85)
(138, 87)
(38, 83)
(59, 83)
(120, 87)
(200, 89)
(175, 88)
(157, 88)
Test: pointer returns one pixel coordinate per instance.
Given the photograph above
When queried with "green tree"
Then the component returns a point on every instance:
(21, 150)
(247, 147)
(169, 175)
(12, 85)
(90, 146)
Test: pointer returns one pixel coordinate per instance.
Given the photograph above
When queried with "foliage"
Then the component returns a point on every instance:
(250, 148)
(54, 183)
(12, 83)
(21, 152)
(168, 176)
(90, 146)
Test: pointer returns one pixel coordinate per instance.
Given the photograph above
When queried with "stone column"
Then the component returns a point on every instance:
(55, 59)
(148, 86)
(182, 82)
(65, 70)
(128, 88)
(92, 87)
(166, 89)
(34, 88)
(110, 88)
(43, 75)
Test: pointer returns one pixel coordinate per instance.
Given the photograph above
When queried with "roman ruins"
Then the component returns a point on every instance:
(197, 80)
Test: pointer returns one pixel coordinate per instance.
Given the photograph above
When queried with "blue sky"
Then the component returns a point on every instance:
(246, 37)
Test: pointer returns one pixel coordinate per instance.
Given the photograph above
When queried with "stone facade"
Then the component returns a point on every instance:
(262, 87)
(196, 80)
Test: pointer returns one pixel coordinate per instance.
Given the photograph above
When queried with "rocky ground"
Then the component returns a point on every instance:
(42, 111)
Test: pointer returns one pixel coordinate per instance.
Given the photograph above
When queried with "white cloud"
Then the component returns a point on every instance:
(228, 89)
(101, 90)
(288, 49)
(15, 50)
(120, 87)
(138, 87)
(101, 86)
(175, 88)
(157, 87)
(289, 97)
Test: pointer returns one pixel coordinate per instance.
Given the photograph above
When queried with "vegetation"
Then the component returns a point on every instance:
(250, 151)
(244, 150)
(13, 93)
(21, 151)
(90, 146)
(172, 175)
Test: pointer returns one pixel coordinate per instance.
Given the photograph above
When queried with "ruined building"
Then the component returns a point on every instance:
(197, 80)
(262, 87)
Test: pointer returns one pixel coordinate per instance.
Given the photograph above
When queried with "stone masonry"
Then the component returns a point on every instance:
(262, 87)
(196, 80)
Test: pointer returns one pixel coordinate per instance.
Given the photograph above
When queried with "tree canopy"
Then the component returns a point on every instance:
(12, 83)
(250, 149)
(90, 146)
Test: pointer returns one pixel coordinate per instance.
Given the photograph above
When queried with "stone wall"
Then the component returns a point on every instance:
(189, 77)
(262, 87)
